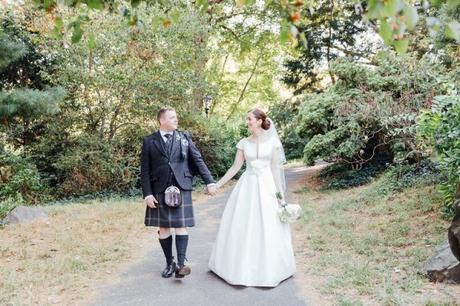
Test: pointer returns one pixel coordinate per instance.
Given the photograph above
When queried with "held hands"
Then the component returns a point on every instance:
(212, 190)
(151, 201)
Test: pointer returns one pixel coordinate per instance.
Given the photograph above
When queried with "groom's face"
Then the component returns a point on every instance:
(168, 122)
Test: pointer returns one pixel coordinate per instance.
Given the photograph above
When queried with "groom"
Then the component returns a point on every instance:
(169, 157)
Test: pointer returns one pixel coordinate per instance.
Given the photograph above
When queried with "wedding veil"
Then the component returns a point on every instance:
(273, 133)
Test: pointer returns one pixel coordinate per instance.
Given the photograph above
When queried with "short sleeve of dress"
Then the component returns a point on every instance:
(240, 144)
(276, 143)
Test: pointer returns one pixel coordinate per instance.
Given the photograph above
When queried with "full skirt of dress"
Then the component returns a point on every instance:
(253, 247)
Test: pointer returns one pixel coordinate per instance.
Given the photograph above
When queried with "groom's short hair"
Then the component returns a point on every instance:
(164, 110)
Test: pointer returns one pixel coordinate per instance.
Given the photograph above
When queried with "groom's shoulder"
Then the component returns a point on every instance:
(185, 133)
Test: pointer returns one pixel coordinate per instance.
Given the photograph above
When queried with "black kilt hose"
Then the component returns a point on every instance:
(160, 169)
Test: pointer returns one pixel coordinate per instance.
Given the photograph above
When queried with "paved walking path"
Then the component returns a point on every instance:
(142, 284)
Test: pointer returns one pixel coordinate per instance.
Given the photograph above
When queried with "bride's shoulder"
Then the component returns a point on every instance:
(276, 142)
(241, 143)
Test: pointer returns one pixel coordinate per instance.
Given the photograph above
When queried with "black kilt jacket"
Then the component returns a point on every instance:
(160, 168)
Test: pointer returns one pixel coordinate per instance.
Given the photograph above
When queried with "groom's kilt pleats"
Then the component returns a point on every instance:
(164, 216)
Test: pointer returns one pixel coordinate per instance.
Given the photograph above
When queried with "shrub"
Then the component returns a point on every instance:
(370, 112)
(342, 176)
(20, 179)
(404, 175)
(216, 141)
(286, 115)
(440, 127)
(7, 205)
(90, 165)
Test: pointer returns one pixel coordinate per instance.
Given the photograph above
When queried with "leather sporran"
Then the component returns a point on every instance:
(173, 197)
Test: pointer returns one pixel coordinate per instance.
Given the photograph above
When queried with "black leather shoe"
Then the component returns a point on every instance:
(182, 271)
(169, 270)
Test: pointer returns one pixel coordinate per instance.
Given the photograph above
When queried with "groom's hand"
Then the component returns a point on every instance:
(151, 201)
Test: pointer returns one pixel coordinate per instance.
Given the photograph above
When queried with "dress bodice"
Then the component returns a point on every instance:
(258, 162)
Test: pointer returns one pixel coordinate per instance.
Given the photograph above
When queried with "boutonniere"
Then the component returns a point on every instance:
(178, 137)
(183, 145)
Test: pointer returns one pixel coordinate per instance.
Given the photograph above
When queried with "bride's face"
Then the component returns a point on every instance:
(252, 122)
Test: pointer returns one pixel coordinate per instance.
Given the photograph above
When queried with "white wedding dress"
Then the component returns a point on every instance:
(253, 247)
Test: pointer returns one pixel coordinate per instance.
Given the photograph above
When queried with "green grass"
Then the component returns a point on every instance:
(369, 246)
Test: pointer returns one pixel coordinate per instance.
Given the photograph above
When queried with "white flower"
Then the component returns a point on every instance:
(289, 213)
(185, 142)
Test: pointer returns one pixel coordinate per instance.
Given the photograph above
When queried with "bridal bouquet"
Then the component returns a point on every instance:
(288, 212)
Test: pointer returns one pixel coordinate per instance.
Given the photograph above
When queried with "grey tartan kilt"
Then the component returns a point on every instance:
(165, 216)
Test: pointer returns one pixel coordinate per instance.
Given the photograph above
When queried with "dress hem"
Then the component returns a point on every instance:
(247, 284)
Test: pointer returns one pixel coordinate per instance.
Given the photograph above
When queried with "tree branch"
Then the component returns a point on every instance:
(233, 108)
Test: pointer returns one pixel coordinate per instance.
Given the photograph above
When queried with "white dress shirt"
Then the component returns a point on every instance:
(163, 133)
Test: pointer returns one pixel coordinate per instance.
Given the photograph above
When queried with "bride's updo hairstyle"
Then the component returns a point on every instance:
(260, 114)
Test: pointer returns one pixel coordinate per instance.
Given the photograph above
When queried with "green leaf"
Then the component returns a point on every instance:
(203, 4)
(284, 32)
(91, 41)
(83, 17)
(294, 32)
(453, 30)
(303, 40)
(391, 7)
(374, 9)
(135, 3)
(240, 3)
(49, 3)
(436, 3)
(77, 33)
(157, 21)
(59, 23)
(95, 4)
(386, 32)
(57, 30)
(451, 4)
(175, 15)
(410, 13)
(71, 25)
(401, 45)
(133, 20)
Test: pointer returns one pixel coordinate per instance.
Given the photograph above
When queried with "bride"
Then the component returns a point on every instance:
(253, 247)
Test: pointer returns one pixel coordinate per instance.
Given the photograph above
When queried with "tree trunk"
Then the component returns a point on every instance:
(329, 44)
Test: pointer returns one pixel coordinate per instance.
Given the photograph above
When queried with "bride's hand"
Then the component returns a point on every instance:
(212, 190)
(282, 202)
